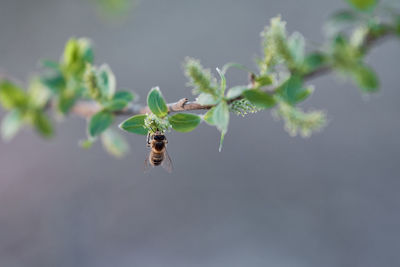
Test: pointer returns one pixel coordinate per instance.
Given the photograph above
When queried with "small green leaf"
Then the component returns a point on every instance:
(304, 94)
(363, 5)
(236, 91)
(87, 143)
(135, 124)
(50, 64)
(184, 122)
(42, 124)
(263, 80)
(54, 82)
(12, 96)
(124, 95)
(120, 101)
(291, 88)
(220, 116)
(366, 79)
(156, 103)
(11, 124)
(114, 143)
(344, 16)
(208, 117)
(99, 123)
(314, 61)
(235, 65)
(223, 82)
(107, 82)
(206, 99)
(296, 44)
(259, 98)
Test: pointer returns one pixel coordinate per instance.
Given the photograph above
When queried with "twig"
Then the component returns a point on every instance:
(89, 108)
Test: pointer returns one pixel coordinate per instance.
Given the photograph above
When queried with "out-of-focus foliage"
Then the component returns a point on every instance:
(280, 84)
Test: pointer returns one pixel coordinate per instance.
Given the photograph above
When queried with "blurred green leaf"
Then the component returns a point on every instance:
(11, 95)
(184, 122)
(206, 99)
(363, 5)
(39, 95)
(55, 82)
(366, 79)
(156, 103)
(263, 80)
(124, 95)
(236, 91)
(106, 82)
(296, 44)
(259, 98)
(220, 116)
(208, 117)
(50, 64)
(291, 88)
(42, 124)
(11, 124)
(99, 123)
(114, 143)
(223, 82)
(314, 60)
(135, 124)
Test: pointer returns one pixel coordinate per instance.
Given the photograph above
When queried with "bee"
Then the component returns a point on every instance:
(158, 154)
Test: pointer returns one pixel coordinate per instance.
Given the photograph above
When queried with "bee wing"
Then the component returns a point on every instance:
(147, 165)
(167, 162)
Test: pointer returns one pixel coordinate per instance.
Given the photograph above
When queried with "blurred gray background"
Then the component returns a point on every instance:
(266, 200)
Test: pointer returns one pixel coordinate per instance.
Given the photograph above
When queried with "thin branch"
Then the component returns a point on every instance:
(89, 108)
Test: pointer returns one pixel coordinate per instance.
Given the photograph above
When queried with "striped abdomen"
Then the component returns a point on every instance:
(156, 158)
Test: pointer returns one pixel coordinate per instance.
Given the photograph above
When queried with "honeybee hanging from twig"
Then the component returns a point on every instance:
(158, 154)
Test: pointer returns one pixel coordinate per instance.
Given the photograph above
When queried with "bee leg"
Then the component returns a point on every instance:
(148, 139)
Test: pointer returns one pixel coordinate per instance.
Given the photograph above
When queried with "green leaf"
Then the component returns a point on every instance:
(344, 16)
(88, 143)
(12, 96)
(263, 80)
(296, 44)
(114, 143)
(11, 124)
(184, 122)
(119, 101)
(206, 99)
(236, 91)
(314, 60)
(235, 65)
(208, 117)
(86, 50)
(54, 82)
(220, 116)
(42, 124)
(156, 103)
(135, 124)
(50, 64)
(259, 98)
(107, 82)
(99, 123)
(223, 82)
(366, 79)
(363, 5)
(291, 88)
(304, 94)
(124, 95)
(39, 95)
